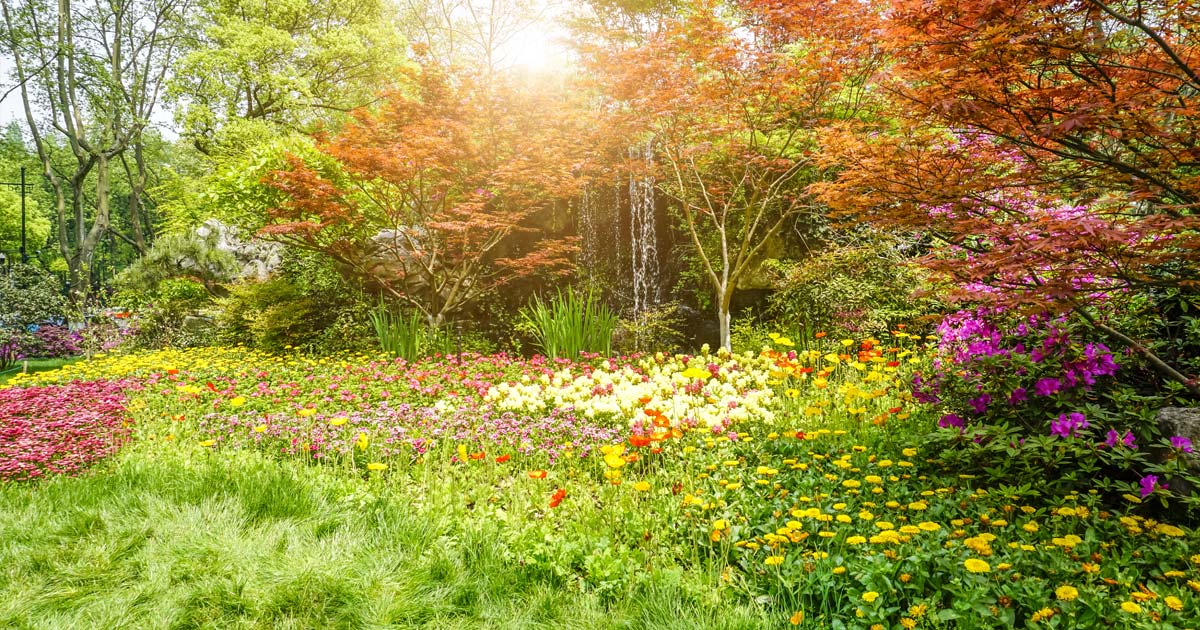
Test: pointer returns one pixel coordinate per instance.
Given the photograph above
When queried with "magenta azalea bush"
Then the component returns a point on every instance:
(1026, 400)
(59, 429)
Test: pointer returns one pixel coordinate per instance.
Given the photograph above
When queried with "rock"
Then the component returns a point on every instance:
(1185, 422)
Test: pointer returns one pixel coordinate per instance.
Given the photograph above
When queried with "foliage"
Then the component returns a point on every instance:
(37, 224)
(53, 342)
(29, 295)
(570, 323)
(1024, 399)
(1059, 122)
(727, 120)
(258, 68)
(656, 328)
(850, 290)
(408, 336)
(171, 317)
(178, 256)
(431, 198)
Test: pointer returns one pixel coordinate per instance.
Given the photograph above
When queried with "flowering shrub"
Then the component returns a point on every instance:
(1024, 399)
(59, 429)
(54, 342)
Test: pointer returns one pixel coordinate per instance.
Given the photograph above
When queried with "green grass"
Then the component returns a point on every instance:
(163, 539)
(35, 365)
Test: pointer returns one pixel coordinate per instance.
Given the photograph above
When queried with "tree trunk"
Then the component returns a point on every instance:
(723, 316)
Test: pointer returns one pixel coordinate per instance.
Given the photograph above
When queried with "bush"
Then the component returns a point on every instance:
(29, 295)
(656, 329)
(850, 291)
(1031, 402)
(53, 342)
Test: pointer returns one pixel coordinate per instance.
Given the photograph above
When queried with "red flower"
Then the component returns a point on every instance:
(557, 497)
(639, 440)
(503, 458)
(800, 435)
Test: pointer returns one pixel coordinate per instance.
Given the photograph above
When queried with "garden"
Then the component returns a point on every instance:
(600, 314)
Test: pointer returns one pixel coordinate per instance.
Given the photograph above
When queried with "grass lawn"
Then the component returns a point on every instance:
(161, 539)
(35, 365)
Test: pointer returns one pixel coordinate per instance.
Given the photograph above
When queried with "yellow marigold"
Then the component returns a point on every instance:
(870, 596)
(975, 565)
(1169, 530)
(918, 610)
(773, 561)
(1131, 608)
(908, 623)
(797, 618)
(929, 526)
(856, 540)
(839, 570)
(1174, 603)
(1042, 615)
(1066, 593)
(642, 486)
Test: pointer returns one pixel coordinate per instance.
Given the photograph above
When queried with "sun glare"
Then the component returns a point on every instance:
(539, 48)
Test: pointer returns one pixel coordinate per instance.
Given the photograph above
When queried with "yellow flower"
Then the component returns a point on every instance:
(975, 565)
(797, 618)
(1131, 608)
(918, 610)
(1066, 593)
(376, 466)
(207, 443)
(773, 561)
(856, 540)
(697, 373)
(337, 422)
(237, 401)
(362, 441)
(720, 525)
(870, 597)
(1174, 603)
(642, 486)
(908, 623)
(839, 570)
(260, 428)
(1042, 615)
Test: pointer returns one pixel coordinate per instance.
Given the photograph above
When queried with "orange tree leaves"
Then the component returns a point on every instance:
(439, 195)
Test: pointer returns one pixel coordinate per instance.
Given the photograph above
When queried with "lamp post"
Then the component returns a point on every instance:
(22, 184)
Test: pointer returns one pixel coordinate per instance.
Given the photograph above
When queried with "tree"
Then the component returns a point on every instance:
(264, 67)
(729, 109)
(433, 198)
(1050, 145)
(90, 78)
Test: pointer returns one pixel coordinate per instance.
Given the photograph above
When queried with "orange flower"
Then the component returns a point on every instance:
(820, 334)
(479, 455)
(557, 497)
(637, 441)
(537, 474)
(503, 458)
(643, 400)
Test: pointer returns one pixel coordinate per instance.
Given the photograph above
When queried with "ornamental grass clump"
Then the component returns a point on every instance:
(61, 429)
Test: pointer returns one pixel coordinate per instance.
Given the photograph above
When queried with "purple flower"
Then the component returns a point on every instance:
(1046, 386)
(1181, 443)
(951, 420)
(1018, 395)
(980, 403)
(1114, 438)
(1067, 424)
(1149, 485)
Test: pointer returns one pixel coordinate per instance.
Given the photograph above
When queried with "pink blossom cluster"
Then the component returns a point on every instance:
(60, 429)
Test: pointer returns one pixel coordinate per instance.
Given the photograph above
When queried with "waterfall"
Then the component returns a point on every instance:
(643, 237)
(589, 231)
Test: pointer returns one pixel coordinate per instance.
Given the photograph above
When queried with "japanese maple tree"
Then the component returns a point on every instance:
(433, 197)
(728, 106)
(1051, 144)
